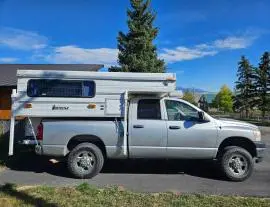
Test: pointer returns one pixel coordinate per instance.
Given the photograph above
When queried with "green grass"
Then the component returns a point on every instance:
(85, 195)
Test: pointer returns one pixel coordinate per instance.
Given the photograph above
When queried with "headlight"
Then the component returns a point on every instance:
(257, 135)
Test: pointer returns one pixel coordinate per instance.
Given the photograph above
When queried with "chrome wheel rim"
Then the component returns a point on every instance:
(85, 161)
(238, 165)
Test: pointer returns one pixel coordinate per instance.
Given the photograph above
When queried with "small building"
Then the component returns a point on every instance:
(8, 81)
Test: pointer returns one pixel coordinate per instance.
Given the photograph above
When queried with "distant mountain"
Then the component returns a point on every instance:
(196, 90)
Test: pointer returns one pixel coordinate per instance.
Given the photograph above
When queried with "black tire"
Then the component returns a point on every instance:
(236, 163)
(78, 168)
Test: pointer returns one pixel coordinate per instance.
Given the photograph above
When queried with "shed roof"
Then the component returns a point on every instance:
(8, 71)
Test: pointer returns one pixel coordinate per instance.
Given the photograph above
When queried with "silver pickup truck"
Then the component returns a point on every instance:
(163, 128)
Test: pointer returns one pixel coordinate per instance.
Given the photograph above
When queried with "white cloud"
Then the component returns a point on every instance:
(38, 44)
(234, 42)
(183, 53)
(21, 39)
(108, 56)
(74, 54)
(8, 60)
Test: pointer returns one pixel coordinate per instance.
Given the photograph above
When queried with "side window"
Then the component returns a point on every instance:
(60, 88)
(149, 109)
(177, 110)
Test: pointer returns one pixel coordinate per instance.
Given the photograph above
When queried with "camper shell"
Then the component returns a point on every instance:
(63, 93)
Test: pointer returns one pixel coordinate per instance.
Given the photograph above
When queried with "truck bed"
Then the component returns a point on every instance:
(58, 133)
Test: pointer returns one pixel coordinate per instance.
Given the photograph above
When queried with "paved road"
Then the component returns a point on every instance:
(148, 176)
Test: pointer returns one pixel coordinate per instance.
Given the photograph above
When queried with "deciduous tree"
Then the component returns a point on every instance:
(224, 99)
(189, 96)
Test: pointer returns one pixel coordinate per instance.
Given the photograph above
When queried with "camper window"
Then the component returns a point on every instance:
(60, 88)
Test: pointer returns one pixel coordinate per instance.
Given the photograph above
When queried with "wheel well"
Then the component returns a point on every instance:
(74, 141)
(240, 142)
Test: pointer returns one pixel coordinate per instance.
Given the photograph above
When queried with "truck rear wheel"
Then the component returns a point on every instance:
(85, 160)
(236, 163)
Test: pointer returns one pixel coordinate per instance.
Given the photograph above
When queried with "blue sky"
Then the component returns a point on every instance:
(200, 40)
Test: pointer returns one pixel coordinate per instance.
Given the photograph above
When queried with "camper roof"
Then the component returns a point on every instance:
(96, 75)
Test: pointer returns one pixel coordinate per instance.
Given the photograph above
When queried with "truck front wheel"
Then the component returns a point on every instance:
(85, 160)
(236, 163)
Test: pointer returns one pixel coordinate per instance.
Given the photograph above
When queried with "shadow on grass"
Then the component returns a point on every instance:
(10, 190)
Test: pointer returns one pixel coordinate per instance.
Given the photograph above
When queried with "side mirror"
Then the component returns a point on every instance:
(201, 115)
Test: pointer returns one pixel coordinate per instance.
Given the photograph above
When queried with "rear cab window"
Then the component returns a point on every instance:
(149, 109)
(60, 88)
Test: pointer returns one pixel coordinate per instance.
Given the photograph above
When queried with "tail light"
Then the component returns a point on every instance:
(40, 132)
(28, 106)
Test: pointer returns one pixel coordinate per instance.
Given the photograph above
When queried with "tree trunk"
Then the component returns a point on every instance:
(263, 113)
(247, 113)
(263, 106)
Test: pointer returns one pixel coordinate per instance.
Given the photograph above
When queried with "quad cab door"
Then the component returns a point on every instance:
(147, 129)
(189, 136)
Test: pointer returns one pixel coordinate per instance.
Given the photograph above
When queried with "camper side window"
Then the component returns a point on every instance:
(60, 88)
(149, 109)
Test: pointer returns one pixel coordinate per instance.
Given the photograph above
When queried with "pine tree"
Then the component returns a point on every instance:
(263, 83)
(245, 88)
(136, 50)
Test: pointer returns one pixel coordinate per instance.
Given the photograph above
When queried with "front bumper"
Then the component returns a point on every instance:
(260, 150)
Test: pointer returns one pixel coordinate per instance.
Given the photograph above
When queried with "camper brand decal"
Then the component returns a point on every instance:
(60, 107)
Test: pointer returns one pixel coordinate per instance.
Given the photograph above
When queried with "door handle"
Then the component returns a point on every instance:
(174, 127)
(138, 126)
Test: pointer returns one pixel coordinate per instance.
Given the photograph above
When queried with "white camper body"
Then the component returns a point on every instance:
(107, 100)
(109, 95)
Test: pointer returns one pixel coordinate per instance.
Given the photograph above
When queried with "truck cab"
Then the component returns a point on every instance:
(170, 128)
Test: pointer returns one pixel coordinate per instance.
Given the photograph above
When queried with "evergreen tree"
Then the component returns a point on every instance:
(136, 50)
(224, 99)
(245, 88)
(263, 83)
